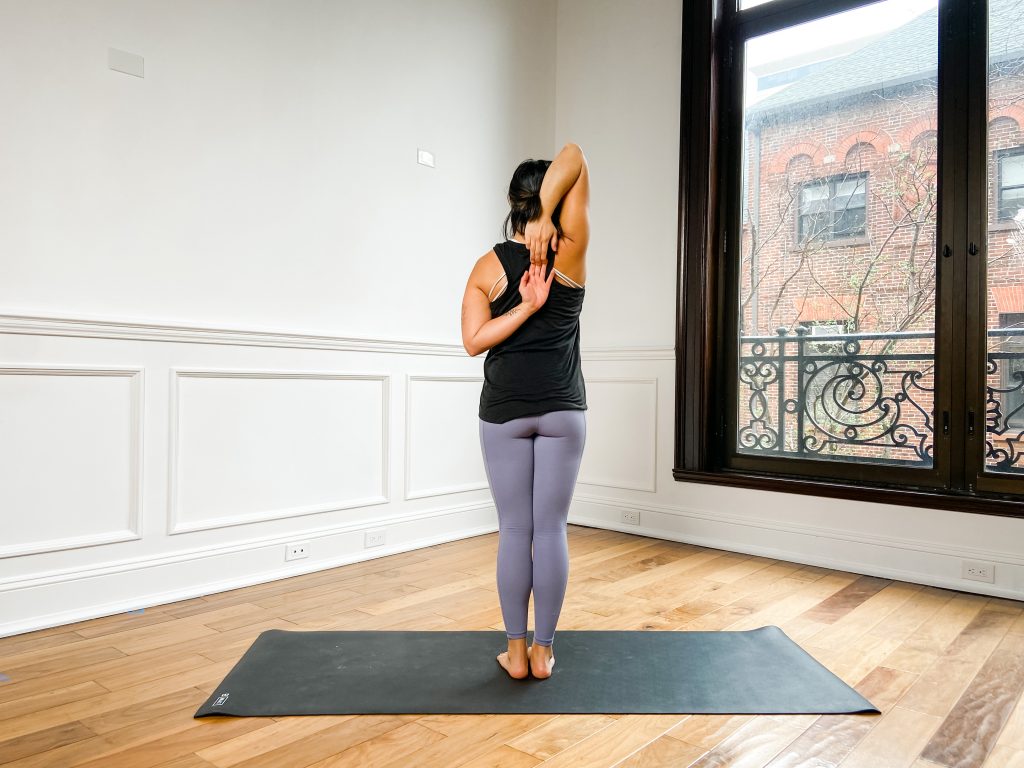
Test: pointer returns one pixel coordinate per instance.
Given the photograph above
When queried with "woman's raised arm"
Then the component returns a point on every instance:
(558, 179)
(560, 176)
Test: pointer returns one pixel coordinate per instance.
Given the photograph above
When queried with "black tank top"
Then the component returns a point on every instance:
(536, 369)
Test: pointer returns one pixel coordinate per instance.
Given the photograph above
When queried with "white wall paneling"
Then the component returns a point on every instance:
(250, 446)
(442, 440)
(622, 433)
(70, 456)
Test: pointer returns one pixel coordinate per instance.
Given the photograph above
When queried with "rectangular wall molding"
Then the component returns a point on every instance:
(430, 437)
(353, 462)
(63, 473)
(632, 418)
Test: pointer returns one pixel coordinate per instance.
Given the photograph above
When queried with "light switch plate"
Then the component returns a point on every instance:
(129, 63)
(425, 158)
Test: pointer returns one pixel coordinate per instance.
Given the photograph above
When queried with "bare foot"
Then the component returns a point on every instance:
(515, 660)
(542, 661)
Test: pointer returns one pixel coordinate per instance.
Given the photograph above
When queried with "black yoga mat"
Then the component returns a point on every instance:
(758, 671)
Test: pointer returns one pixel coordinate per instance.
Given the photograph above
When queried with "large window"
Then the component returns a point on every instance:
(836, 250)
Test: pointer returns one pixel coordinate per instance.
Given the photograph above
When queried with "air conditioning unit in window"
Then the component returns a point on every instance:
(825, 330)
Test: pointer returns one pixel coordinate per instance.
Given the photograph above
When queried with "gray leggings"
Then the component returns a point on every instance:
(532, 464)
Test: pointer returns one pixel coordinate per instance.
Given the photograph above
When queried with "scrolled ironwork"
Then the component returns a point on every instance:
(838, 399)
(1004, 403)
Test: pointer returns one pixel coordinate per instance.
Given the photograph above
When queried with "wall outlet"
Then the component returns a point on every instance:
(374, 538)
(978, 571)
(296, 550)
(631, 516)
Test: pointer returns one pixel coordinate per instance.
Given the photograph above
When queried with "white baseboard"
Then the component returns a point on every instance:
(257, 576)
(795, 554)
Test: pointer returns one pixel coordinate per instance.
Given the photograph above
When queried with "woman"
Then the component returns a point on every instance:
(533, 401)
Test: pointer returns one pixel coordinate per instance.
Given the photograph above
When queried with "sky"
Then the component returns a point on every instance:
(866, 22)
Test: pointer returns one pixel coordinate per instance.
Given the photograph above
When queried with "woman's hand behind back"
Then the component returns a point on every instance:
(533, 288)
(538, 234)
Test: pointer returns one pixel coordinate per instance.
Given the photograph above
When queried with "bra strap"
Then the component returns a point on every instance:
(495, 283)
(566, 277)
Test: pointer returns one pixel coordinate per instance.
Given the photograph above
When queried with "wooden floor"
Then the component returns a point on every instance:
(946, 668)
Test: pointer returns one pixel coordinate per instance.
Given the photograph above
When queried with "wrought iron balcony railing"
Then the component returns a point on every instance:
(868, 397)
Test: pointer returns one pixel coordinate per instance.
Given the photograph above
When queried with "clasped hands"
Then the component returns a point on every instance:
(533, 287)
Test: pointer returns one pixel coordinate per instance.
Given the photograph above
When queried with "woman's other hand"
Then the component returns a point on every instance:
(534, 288)
(538, 234)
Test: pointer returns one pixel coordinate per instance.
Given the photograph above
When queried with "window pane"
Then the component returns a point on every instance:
(1004, 395)
(1013, 170)
(850, 223)
(1010, 203)
(813, 225)
(814, 198)
(841, 134)
(847, 187)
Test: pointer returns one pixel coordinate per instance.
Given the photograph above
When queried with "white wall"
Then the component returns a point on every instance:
(229, 297)
(263, 171)
(618, 97)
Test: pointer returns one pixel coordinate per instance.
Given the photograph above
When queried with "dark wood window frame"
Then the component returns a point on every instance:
(704, 186)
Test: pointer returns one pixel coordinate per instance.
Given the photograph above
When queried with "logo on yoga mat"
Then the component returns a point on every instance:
(221, 699)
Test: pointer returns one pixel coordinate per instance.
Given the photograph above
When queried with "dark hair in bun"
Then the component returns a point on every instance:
(524, 197)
